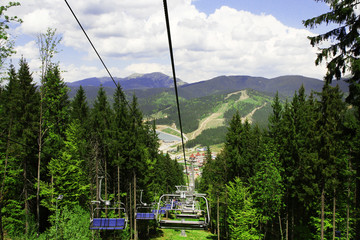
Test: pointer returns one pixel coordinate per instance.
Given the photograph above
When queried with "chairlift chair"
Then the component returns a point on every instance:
(105, 223)
(184, 213)
(147, 210)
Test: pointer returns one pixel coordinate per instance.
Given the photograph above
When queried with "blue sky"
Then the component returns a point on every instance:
(289, 12)
(210, 37)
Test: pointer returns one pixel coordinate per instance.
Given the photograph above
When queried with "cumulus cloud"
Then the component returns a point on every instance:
(147, 67)
(29, 49)
(131, 35)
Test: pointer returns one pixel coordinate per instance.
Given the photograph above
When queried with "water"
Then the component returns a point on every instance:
(167, 137)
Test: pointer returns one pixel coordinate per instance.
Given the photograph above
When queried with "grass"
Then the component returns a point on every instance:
(174, 234)
(217, 148)
(172, 132)
(158, 115)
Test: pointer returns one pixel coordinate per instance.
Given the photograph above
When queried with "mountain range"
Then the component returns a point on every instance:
(134, 81)
(206, 106)
(147, 85)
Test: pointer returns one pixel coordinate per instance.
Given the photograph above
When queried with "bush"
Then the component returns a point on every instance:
(71, 224)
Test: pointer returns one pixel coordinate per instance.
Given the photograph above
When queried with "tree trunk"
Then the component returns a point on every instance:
(26, 200)
(292, 219)
(3, 180)
(52, 190)
(40, 142)
(118, 190)
(347, 214)
(334, 212)
(131, 214)
(280, 224)
(218, 217)
(135, 230)
(38, 185)
(287, 225)
(322, 212)
(106, 198)
(97, 178)
(357, 203)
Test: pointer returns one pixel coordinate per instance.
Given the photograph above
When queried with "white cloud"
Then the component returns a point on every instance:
(29, 49)
(74, 72)
(147, 68)
(131, 36)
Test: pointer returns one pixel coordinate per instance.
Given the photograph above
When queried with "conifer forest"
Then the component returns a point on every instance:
(64, 162)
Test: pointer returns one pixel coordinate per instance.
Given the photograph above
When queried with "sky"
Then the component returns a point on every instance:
(210, 37)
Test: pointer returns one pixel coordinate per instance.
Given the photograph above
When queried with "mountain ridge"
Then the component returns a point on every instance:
(285, 85)
(134, 81)
(207, 106)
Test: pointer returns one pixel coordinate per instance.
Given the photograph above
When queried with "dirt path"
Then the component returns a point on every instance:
(243, 95)
(249, 116)
(214, 119)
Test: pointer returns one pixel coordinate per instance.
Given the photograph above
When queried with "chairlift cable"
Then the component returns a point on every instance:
(97, 53)
(91, 43)
(172, 64)
(174, 77)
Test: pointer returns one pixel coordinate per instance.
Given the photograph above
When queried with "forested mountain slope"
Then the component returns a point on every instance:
(208, 105)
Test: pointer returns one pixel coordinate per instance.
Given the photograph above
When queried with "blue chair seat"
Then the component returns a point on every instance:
(145, 216)
(107, 224)
(161, 211)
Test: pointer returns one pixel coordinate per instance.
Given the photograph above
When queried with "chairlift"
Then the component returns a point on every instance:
(145, 211)
(105, 223)
(185, 210)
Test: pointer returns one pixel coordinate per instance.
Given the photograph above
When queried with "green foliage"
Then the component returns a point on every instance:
(72, 223)
(21, 100)
(243, 218)
(55, 109)
(344, 50)
(267, 186)
(12, 211)
(207, 137)
(6, 43)
(68, 172)
(48, 44)
(79, 106)
(192, 111)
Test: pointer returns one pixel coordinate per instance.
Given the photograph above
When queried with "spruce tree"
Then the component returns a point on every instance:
(79, 106)
(55, 103)
(100, 122)
(329, 124)
(119, 138)
(243, 219)
(23, 133)
(69, 173)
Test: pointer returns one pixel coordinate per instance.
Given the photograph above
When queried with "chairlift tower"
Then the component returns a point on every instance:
(192, 176)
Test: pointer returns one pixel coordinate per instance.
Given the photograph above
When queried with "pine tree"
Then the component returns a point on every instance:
(55, 116)
(28, 121)
(232, 147)
(69, 173)
(267, 190)
(275, 119)
(100, 122)
(21, 100)
(119, 136)
(79, 106)
(243, 218)
(329, 124)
